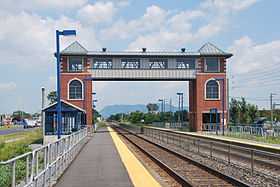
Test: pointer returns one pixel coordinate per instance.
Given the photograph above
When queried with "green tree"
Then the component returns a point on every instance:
(184, 116)
(234, 110)
(118, 117)
(152, 106)
(149, 118)
(253, 112)
(243, 112)
(136, 117)
(20, 113)
(244, 117)
(52, 97)
(95, 115)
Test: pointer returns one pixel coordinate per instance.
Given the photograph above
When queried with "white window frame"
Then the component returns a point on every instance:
(205, 66)
(124, 59)
(219, 90)
(94, 61)
(68, 90)
(153, 60)
(68, 65)
(182, 59)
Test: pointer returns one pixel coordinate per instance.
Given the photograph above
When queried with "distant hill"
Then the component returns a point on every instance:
(114, 109)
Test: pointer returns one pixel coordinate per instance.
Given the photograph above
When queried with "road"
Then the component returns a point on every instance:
(14, 130)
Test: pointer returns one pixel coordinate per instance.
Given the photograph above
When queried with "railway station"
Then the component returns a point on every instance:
(117, 154)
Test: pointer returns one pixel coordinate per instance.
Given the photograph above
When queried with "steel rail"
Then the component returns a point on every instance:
(245, 158)
(175, 175)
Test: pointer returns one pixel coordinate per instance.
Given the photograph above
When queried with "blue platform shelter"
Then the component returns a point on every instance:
(72, 119)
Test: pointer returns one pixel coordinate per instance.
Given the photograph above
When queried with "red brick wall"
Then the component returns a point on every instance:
(66, 78)
(197, 101)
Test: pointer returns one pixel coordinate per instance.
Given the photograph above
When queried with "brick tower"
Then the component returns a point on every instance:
(75, 89)
(205, 92)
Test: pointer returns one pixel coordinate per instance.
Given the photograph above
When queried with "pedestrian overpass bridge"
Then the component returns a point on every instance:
(168, 66)
(80, 68)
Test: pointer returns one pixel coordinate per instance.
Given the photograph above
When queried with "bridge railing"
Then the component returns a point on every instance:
(43, 165)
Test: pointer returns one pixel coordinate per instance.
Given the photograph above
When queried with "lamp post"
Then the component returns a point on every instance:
(58, 33)
(180, 105)
(93, 101)
(223, 107)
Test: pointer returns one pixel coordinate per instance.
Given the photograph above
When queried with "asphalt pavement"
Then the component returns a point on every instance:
(14, 130)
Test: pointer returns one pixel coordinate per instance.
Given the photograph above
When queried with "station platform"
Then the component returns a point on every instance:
(275, 148)
(240, 140)
(106, 161)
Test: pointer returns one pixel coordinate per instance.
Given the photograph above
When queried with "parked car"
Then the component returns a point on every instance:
(30, 123)
(17, 119)
(7, 121)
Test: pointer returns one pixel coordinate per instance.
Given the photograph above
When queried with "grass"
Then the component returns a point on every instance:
(9, 126)
(11, 150)
(272, 140)
(102, 123)
(14, 136)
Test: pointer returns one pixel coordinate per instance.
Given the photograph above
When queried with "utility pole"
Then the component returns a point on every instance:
(179, 112)
(271, 108)
(170, 104)
(43, 106)
(228, 99)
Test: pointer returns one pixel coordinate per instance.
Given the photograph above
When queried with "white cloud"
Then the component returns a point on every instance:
(226, 6)
(163, 40)
(152, 19)
(178, 30)
(250, 57)
(99, 12)
(61, 5)
(7, 85)
(33, 49)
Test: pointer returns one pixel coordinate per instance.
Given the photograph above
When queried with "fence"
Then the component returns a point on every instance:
(250, 130)
(43, 165)
(178, 126)
(254, 160)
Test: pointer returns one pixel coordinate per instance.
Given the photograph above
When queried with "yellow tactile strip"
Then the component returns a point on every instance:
(138, 174)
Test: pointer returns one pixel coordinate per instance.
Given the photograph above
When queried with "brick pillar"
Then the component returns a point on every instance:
(192, 105)
(67, 76)
(199, 104)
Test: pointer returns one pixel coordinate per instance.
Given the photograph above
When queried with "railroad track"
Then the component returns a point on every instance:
(184, 170)
(270, 161)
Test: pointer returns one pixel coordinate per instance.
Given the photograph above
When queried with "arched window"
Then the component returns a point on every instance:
(75, 90)
(212, 90)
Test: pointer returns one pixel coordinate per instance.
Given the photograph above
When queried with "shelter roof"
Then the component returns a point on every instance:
(64, 106)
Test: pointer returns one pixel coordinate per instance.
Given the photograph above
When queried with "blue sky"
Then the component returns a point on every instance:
(249, 29)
